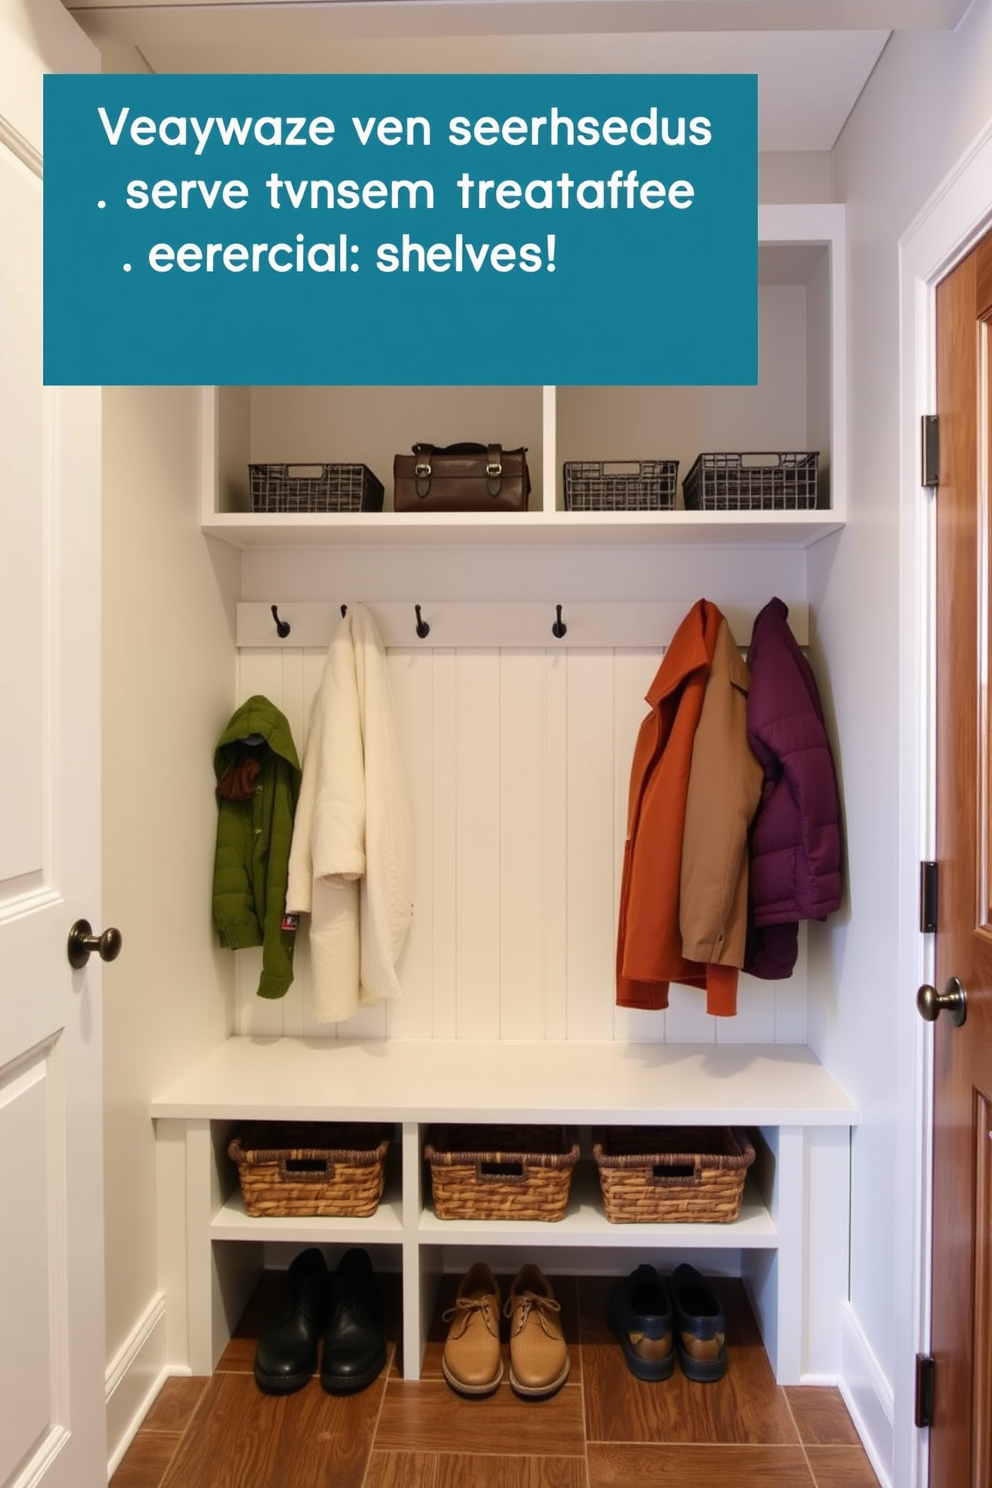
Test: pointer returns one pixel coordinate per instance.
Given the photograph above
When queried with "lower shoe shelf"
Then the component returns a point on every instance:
(385, 1225)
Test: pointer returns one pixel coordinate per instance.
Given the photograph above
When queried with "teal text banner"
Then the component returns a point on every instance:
(401, 229)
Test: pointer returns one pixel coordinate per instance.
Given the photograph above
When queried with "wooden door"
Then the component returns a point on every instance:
(52, 1362)
(961, 1443)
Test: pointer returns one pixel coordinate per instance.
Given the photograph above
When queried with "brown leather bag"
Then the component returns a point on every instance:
(461, 477)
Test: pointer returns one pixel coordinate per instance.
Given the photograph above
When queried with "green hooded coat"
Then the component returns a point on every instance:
(254, 836)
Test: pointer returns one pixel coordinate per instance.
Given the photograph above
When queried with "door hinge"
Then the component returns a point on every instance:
(930, 449)
(924, 1389)
(928, 898)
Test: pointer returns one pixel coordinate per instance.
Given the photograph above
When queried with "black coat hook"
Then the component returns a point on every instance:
(559, 628)
(423, 629)
(344, 611)
(283, 627)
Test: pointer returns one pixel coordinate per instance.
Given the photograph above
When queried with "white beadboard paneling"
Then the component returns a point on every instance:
(523, 843)
(444, 847)
(591, 829)
(411, 677)
(368, 1023)
(294, 703)
(687, 1021)
(260, 1016)
(519, 765)
(477, 834)
(790, 1000)
(556, 845)
(755, 1020)
(259, 672)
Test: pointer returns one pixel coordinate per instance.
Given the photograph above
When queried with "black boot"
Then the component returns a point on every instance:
(286, 1355)
(355, 1343)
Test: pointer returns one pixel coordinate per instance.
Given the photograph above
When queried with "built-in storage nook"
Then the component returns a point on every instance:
(796, 405)
(518, 742)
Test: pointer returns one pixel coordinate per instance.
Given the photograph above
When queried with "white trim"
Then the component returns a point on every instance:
(868, 1396)
(134, 1378)
(954, 218)
(19, 145)
(490, 626)
(36, 1470)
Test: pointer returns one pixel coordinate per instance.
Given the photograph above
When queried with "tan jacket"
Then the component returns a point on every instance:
(724, 790)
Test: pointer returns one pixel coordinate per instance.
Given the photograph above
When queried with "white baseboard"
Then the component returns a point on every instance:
(868, 1396)
(134, 1378)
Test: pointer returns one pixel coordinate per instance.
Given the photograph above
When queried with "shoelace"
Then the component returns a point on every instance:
(541, 1305)
(467, 1306)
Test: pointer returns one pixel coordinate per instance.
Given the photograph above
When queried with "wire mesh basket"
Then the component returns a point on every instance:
(752, 481)
(620, 485)
(314, 488)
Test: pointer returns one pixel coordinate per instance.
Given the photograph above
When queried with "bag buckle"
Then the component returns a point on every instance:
(422, 478)
(494, 468)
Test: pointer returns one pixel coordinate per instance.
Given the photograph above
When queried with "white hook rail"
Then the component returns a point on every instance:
(490, 626)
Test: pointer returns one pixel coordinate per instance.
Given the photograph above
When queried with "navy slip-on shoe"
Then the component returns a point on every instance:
(700, 1326)
(640, 1317)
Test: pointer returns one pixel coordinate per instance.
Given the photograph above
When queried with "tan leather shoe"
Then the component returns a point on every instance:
(538, 1352)
(471, 1359)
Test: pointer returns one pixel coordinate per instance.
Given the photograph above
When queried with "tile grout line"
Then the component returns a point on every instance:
(799, 1435)
(390, 1365)
(577, 1297)
(187, 1428)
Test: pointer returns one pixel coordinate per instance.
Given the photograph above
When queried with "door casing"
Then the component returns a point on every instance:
(957, 215)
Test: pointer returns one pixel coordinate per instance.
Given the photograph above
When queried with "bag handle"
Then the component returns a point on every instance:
(422, 468)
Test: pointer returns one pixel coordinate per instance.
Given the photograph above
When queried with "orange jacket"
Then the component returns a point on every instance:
(649, 938)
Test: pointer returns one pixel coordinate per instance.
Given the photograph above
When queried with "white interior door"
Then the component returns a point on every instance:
(52, 1398)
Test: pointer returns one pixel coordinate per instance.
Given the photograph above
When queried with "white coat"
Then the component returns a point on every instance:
(351, 862)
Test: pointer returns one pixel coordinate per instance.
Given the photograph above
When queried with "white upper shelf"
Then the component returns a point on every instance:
(432, 529)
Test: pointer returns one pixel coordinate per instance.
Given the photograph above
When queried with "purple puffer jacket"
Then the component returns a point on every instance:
(795, 840)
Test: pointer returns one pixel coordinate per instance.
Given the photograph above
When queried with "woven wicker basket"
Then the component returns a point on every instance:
(501, 1172)
(313, 1167)
(663, 1175)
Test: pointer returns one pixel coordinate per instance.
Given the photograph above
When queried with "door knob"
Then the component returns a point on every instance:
(82, 942)
(953, 1001)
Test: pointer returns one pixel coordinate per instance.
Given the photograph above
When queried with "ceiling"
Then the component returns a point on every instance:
(812, 57)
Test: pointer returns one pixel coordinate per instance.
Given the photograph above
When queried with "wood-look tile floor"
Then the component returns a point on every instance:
(604, 1429)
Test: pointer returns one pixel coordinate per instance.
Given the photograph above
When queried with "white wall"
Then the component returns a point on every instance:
(168, 668)
(926, 101)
